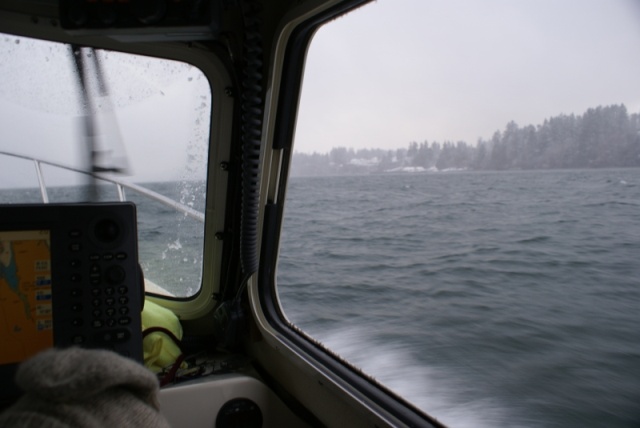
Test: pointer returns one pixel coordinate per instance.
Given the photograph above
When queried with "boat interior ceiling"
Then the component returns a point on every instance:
(216, 82)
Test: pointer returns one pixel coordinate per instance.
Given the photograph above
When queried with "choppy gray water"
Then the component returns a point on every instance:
(486, 298)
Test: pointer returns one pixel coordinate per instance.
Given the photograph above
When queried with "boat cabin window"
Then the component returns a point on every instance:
(462, 207)
(81, 124)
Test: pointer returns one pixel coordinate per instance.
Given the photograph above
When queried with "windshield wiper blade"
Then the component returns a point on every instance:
(99, 160)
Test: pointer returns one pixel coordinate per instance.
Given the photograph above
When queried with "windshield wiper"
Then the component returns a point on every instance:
(100, 160)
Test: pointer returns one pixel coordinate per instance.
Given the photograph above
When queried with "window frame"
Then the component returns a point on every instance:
(378, 398)
(220, 136)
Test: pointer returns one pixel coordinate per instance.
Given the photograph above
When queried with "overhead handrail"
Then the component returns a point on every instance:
(120, 185)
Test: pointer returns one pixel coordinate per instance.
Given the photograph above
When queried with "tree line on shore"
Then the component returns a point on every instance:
(602, 137)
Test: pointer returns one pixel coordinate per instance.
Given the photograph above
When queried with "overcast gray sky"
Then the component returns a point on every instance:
(392, 72)
(397, 71)
(157, 110)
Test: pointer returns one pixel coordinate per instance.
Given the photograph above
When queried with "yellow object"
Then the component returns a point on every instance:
(160, 350)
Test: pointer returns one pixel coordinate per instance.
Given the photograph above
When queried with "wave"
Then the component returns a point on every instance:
(436, 390)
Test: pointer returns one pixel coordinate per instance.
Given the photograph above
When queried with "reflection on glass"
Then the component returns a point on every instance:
(146, 116)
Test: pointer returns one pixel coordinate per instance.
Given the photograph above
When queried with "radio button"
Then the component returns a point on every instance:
(122, 335)
(115, 275)
(113, 336)
(106, 337)
(78, 339)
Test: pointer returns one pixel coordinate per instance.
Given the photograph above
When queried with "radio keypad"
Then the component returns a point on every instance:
(108, 311)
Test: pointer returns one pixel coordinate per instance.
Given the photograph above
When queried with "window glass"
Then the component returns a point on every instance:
(462, 212)
(145, 119)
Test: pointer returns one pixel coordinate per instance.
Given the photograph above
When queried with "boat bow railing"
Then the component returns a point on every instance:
(120, 185)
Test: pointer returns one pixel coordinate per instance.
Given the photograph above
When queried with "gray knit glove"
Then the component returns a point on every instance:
(84, 388)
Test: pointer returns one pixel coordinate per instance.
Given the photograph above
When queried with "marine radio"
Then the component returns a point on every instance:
(69, 275)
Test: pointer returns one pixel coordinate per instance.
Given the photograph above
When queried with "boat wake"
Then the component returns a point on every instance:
(435, 390)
